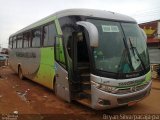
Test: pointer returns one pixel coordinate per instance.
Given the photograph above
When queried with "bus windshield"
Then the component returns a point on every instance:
(122, 47)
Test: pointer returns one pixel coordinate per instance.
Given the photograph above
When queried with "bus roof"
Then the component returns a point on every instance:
(79, 12)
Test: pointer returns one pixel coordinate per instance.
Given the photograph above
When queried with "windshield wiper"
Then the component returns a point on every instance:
(123, 59)
(132, 48)
(136, 51)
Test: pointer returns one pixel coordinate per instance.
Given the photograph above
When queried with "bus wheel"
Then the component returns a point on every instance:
(20, 74)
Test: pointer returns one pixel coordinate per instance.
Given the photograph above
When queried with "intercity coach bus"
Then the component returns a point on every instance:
(95, 57)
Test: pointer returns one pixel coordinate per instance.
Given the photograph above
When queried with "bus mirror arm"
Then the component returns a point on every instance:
(92, 31)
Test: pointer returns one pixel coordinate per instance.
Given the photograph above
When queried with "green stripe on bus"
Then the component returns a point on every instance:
(61, 50)
(147, 79)
(59, 31)
(148, 76)
(46, 71)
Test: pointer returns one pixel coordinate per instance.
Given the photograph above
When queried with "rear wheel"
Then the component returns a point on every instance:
(20, 74)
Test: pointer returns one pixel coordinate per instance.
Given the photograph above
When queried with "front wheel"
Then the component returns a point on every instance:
(20, 74)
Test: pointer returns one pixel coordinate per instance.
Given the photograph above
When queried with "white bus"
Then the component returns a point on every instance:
(95, 57)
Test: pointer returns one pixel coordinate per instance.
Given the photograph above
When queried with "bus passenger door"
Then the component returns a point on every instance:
(62, 83)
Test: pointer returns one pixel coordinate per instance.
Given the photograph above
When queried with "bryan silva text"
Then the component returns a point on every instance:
(132, 117)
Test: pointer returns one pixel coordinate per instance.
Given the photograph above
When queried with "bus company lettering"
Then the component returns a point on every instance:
(26, 54)
(135, 82)
(132, 75)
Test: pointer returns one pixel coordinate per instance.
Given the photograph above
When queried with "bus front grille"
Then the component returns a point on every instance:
(132, 98)
(129, 90)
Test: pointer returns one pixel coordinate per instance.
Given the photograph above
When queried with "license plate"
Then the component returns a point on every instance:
(131, 103)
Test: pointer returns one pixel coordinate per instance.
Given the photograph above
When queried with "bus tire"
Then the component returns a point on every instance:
(20, 73)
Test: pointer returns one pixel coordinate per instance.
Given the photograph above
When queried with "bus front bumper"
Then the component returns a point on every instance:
(103, 100)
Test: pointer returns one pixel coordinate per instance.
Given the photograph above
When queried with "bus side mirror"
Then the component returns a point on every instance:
(144, 34)
(92, 31)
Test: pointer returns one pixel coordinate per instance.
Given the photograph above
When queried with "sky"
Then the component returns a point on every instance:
(17, 14)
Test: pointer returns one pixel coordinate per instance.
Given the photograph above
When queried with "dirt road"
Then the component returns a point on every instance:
(31, 101)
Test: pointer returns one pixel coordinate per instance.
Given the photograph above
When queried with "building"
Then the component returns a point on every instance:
(152, 29)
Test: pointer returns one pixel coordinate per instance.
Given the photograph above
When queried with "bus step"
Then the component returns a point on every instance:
(85, 82)
(85, 75)
(76, 89)
(84, 94)
(85, 101)
(83, 64)
(87, 91)
(76, 82)
(86, 87)
(84, 69)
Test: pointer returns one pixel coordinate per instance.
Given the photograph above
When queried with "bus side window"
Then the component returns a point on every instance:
(19, 41)
(26, 40)
(14, 42)
(11, 42)
(36, 38)
(45, 35)
(49, 33)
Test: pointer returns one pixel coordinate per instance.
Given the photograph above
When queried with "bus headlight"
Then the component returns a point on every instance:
(106, 88)
(109, 89)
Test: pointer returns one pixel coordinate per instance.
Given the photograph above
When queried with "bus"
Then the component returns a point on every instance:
(98, 58)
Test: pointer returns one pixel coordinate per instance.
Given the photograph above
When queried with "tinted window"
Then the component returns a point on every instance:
(108, 55)
(10, 43)
(36, 38)
(14, 42)
(49, 33)
(19, 41)
(136, 40)
(26, 40)
(46, 35)
(67, 33)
